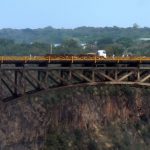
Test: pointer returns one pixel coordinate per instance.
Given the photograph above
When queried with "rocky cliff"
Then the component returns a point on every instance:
(94, 118)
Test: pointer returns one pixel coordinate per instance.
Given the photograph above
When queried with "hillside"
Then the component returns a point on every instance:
(84, 34)
(115, 40)
(91, 118)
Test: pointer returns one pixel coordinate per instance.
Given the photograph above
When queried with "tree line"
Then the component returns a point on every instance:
(80, 40)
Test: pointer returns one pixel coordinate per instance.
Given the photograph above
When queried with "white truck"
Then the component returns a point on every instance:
(101, 53)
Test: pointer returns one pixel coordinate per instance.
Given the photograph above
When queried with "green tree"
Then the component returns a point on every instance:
(135, 26)
(115, 49)
(125, 42)
(104, 41)
(70, 43)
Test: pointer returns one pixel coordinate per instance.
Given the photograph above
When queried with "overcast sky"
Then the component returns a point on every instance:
(73, 13)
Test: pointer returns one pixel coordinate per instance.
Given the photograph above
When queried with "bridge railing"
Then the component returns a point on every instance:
(71, 58)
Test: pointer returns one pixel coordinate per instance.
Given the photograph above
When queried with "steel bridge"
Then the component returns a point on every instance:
(24, 75)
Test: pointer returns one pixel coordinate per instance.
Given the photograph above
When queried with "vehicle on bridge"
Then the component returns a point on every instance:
(102, 53)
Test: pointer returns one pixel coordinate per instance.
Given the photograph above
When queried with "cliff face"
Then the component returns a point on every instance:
(115, 117)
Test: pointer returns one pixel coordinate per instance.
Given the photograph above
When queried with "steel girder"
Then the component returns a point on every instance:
(19, 81)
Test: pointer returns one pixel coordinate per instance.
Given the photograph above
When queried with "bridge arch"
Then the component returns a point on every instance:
(22, 77)
(23, 82)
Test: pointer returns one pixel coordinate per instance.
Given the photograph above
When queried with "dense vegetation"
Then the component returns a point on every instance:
(37, 41)
(99, 118)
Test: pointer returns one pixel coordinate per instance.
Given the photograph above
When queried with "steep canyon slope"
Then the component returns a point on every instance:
(90, 118)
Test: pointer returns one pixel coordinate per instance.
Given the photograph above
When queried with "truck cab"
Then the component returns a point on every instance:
(101, 53)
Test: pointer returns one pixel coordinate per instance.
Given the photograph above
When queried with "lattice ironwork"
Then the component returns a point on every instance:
(20, 80)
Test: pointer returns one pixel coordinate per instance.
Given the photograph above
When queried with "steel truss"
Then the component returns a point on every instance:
(20, 80)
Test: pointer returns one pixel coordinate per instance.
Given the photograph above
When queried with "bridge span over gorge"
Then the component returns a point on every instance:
(25, 75)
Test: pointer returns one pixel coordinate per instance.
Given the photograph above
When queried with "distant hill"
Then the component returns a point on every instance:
(84, 34)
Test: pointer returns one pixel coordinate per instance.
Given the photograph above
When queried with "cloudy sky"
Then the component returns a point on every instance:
(73, 13)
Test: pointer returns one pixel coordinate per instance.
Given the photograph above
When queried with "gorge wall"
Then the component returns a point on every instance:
(94, 118)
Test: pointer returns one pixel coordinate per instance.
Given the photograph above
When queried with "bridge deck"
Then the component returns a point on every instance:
(72, 59)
